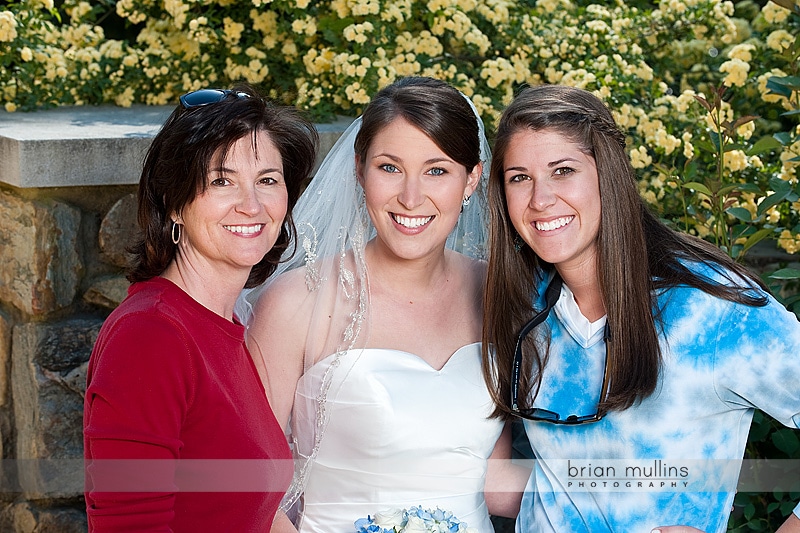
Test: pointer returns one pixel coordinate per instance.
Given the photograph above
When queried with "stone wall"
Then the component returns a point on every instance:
(67, 212)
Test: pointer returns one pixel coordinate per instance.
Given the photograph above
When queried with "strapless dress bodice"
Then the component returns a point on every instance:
(400, 433)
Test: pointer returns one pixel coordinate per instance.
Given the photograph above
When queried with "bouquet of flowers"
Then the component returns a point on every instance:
(413, 520)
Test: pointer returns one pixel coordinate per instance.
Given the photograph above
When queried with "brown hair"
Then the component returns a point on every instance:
(637, 254)
(434, 107)
(177, 162)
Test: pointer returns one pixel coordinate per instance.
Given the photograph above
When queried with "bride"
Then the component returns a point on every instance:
(370, 350)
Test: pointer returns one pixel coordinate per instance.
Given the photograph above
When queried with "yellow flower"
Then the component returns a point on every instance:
(579, 77)
(640, 158)
(232, 30)
(341, 8)
(737, 72)
(735, 160)
(746, 130)
(774, 14)
(550, 6)
(666, 141)
(789, 242)
(495, 11)
(8, 27)
(439, 5)
(702, 230)
(178, 10)
(125, 98)
(11, 107)
(688, 147)
(26, 54)
(677, 6)
(357, 32)
(365, 7)
(78, 11)
(779, 40)
(742, 51)
(649, 197)
(308, 25)
(643, 71)
(598, 26)
(357, 94)
(289, 49)
(762, 86)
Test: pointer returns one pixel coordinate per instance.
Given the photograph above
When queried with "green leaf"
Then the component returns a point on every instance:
(764, 144)
(791, 82)
(715, 140)
(779, 185)
(741, 213)
(724, 191)
(699, 187)
(786, 441)
(758, 431)
(770, 201)
(756, 238)
(775, 86)
(750, 187)
(787, 507)
(783, 137)
(705, 146)
(733, 146)
(690, 170)
(786, 273)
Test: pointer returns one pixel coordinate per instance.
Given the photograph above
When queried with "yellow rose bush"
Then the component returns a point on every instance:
(707, 90)
(677, 73)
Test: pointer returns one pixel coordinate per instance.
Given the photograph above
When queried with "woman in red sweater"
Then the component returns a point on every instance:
(178, 433)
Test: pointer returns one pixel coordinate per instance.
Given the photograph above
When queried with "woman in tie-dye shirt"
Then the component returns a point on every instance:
(638, 388)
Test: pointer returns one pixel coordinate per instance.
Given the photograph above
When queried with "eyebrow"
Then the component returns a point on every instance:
(428, 162)
(549, 165)
(225, 170)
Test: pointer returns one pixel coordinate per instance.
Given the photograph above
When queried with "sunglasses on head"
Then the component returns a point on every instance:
(551, 296)
(207, 96)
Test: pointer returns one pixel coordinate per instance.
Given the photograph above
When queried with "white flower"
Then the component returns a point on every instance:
(389, 518)
(416, 524)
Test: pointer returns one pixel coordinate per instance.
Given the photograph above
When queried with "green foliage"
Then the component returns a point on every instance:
(766, 511)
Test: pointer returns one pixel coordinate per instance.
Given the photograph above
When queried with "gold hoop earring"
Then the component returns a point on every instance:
(176, 233)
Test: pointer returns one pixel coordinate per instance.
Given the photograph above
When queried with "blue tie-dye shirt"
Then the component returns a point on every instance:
(674, 457)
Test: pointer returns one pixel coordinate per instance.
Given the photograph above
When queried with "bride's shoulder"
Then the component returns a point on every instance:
(287, 290)
(473, 270)
(297, 290)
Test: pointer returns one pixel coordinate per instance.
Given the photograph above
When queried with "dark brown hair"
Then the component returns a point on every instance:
(177, 164)
(434, 107)
(637, 255)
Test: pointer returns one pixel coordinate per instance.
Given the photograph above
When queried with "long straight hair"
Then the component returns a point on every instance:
(637, 255)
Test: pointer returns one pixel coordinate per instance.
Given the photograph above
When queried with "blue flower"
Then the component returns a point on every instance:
(433, 521)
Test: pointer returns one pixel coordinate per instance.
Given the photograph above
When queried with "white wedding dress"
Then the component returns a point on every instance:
(400, 434)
